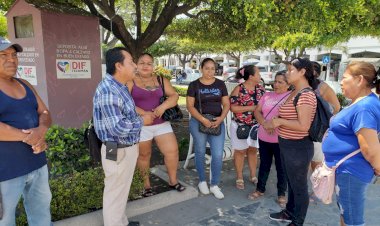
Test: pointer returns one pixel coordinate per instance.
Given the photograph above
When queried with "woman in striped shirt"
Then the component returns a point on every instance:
(295, 145)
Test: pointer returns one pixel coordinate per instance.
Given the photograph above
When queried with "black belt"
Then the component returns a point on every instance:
(122, 145)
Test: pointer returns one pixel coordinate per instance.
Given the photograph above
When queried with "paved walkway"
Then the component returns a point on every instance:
(236, 210)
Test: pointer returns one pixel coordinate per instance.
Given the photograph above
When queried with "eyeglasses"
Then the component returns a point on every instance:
(5, 56)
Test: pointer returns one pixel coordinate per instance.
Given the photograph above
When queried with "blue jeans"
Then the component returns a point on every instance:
(34, 187)
(216, 147)
(350, 195)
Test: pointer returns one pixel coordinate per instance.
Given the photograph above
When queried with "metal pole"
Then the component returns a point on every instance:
(269, 60)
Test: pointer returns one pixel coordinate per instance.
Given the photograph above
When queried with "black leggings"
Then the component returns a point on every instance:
(267, 151)
(296, 156)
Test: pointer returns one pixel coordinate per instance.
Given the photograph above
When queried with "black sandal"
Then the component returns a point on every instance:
(148, 192)
(178, 186)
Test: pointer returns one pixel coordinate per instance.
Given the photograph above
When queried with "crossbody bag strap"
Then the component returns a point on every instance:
(347, 157)
(276, 105)
(199, 97)
(161, 81)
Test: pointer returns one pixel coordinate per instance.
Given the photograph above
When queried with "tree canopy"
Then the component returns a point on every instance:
(241, 25)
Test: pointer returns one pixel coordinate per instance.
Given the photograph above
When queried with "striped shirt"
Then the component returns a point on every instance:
(115, 116)
(289, 112)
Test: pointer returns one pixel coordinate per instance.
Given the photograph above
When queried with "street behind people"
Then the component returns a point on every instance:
(244, 99)
(268, 108)
(146, 90)
(208, 95)
(355, 127)
(24, 121)
(118, 126)
(296, 147)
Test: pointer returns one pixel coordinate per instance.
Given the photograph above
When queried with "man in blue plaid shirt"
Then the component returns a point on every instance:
(118, 126)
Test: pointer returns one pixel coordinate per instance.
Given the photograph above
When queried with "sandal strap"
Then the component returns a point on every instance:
(178, 186)
(255, 195)
(148, 192)
(240, 181)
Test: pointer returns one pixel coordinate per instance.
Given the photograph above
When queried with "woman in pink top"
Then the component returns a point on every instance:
(146, 91)
(268, 108)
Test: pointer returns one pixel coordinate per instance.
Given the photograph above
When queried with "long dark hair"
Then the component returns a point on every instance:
(245, 71)
(304, 63)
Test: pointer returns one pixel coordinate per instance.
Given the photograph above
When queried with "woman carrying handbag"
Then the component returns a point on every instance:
(244, 99)
(208, 104)
(355, 127)
(154, 96)
(268, 108)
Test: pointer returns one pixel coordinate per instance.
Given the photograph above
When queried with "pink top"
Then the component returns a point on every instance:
(267, 102)
(147, 100)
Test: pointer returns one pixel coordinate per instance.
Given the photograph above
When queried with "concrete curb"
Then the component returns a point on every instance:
(136, 207)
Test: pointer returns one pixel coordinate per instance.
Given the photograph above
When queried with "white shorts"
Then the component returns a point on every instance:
(318, 153)
(149, 132)
(240, 144)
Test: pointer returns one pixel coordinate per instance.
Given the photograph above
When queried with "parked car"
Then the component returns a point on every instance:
(188, 75)
(228, 72)
(177, 71)
(266, 75)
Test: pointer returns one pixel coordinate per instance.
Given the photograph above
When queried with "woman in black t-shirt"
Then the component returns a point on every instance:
(208, 95)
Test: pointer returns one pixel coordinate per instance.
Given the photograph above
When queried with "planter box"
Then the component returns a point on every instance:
(136, 207)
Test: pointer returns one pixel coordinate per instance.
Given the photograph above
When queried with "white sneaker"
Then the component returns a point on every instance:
(217, 192)
(203, 188)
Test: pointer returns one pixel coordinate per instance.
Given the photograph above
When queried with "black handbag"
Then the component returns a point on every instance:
(253, 132)
(173, 113)
(93, 143)
(215, 131)
(242, 131)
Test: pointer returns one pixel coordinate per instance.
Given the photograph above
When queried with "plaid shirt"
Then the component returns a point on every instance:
(115, 116)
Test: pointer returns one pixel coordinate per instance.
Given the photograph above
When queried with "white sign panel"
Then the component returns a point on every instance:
(28, 73)
(72, 69)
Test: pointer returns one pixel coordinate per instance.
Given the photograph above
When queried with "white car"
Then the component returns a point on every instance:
(189, 75)
(266, 75)
(229, 72)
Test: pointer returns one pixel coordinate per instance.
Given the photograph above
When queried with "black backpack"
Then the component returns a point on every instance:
(322, 116)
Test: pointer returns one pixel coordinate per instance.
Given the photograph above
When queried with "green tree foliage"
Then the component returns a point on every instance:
(146, 23)
(287, 25)
(161, 48)
(3, 25)
(5, 5)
